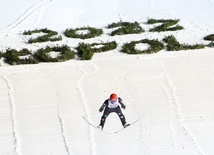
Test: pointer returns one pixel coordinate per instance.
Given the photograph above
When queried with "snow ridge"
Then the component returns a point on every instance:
(27, 14)
(180, 133)
(85, 107)
(13, 115)
(59, 115)
(62, 125)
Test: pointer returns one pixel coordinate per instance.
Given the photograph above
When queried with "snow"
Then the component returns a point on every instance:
(41, 106)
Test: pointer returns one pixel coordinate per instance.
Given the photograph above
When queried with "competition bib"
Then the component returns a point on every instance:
(112, 104)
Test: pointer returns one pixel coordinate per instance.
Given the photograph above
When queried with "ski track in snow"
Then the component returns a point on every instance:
(39, 16)
(1, 64)
(27, 14)
(118, 9)
(13, 115)
(178, 129)
(82, 9)
(143, 134)
(60, 118)
(85, 105)
(59, 115)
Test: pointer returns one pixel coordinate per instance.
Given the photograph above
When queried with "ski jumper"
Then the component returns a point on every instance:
(112, 107)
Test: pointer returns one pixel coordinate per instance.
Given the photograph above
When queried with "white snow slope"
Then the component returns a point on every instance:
(41, 106)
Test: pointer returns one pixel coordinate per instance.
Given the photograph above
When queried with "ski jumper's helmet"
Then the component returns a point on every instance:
(113, 96)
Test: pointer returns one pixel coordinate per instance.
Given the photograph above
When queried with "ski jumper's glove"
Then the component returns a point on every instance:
(121, 103)
(101, 109)
(123, 106)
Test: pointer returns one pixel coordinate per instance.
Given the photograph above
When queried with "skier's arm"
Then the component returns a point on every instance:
(103, 106)
(121, 103)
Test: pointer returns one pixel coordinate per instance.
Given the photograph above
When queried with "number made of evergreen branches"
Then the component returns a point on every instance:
(103, 46)
(86, 51)
(209, 37)
(174, 45)
(24, 56)
(48, 36)
(154, 46)
(83, 32)
(167, 25)
(64, 53)
(126, 28)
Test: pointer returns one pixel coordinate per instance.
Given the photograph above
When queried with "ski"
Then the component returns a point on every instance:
(86, 120)
(128, 125)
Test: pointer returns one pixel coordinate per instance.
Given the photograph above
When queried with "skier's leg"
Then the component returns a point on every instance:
(121, 116)
(104, 116)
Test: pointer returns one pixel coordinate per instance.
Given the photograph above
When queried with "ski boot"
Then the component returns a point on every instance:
(125, 125)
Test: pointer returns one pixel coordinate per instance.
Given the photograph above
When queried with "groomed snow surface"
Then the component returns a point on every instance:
(41, 106)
